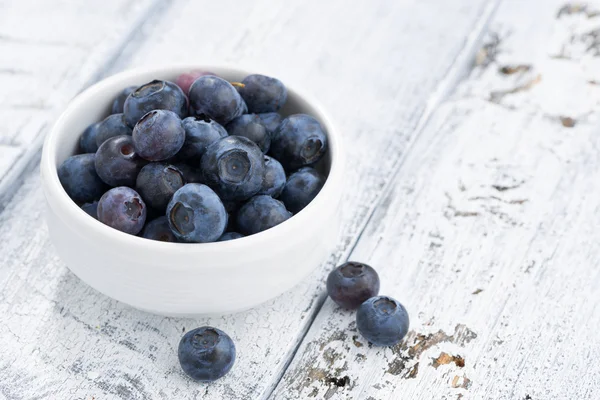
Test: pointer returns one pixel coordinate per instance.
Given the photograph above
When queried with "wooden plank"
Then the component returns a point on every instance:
(380, 68)
(488, 235)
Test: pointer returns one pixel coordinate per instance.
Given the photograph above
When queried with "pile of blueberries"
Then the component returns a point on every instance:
(206, 353)
(199, 160)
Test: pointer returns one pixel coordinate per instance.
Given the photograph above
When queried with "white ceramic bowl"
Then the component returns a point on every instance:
(180, 279)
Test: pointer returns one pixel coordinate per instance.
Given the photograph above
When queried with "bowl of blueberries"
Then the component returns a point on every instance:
(190, 190)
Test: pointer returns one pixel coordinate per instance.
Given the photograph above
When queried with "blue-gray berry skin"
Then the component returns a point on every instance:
(196, 214)
(117, 162)
(155, 95)
(91, 209)
(206, 354)
(111, 126)
(298, 141)
(122, 208)
(216, 99)
(250, 126)
(159, 135)
(270, 120)
(157, 182)
(87, 141)
(200, 132)
(263, 94)
(274, 178)
(234, 167)
(191, 174)
(261, 213)
(352, 283)
(382, 320)
(230, 236)
(119, 102)
(301, 188)
(78, 176)
(158, 229)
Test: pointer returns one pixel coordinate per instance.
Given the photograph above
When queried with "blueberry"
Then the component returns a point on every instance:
(350, 284)
(158, 229)
(122, 208)
(263, 94)
(206, 354)
(117, 163)
(117, 105)
(274, 178)
(234, 167)
(196, 214)
(261, 213)
(216, 98)
(91, 209)
(298, 141)
(78, 177)
(190, 174)
(157, 182)
(251, 127)
(270, 120)
(230, 236)
(159, 135)
(301, 188)
(111, 126)
(87, 141)
(200, 132)
(382, 320)
(155, 95)
(185, 80)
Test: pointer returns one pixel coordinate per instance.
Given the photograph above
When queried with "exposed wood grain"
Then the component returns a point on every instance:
(379, 67)
(488, 235)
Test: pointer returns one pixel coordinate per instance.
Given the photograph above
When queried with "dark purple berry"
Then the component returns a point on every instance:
(111, 126)
(157, 182)
(190, 173)
(350, 284)
(261, 213)
(155, 95)
(230, 236)
(91, 209)
(274, 179)
(185, 80)
(206, 354)
(87, 141)
(250, 126)
(270, 120)
(301, 188)
(263, 94)
(158, 229)
(298, 141)
(117, 105)
(117, 163)
(78, 177)
(159, 135)
(122, 208)
(216, 99)
(200, 132)
(382, 320)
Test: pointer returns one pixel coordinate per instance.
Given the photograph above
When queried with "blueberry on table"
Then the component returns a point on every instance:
(185, 80)
(196, 214)
(117, 105)
(158, 229)
(91, 209)
(87, 141)
(155, 95)
(301, 188)
(122, 208)
(190, 174)
(230, 236)
(234, 167)
(206, 354)
(216, 98)
(261, 213)
(111, 126)
(274, 178)
(352, 283)
(270, 120)
(159, 135)
(263, 94)
(382, 320)
(250, 126)
(298, 141)
(200, 132)
(157, 182)
(78, 177)
(117, 163)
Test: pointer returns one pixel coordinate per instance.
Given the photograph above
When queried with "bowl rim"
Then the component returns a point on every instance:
(69, 210)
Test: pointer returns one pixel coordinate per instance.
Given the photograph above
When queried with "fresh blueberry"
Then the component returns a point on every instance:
(206, 354)
(230, 236)
(111, 126)
(200, 132)
(251, 127)
(274, 179)
(298, 141)
(261, 213)
(122, 208)
(215, 98)
(159, 135)
(382, 320)
(270, 120)
(158, 229)
(117, 105)
(117, 163)
(78, 177)
(263, 94)
(190, 174)
(155, 95)
(91, 209)
(185, 80)
(157, 182)
(87, 141)
(196, 214)
(352, 283)
(301, 188)
(234, 167)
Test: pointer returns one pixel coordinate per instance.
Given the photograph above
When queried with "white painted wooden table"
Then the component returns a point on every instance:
(474, 166)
